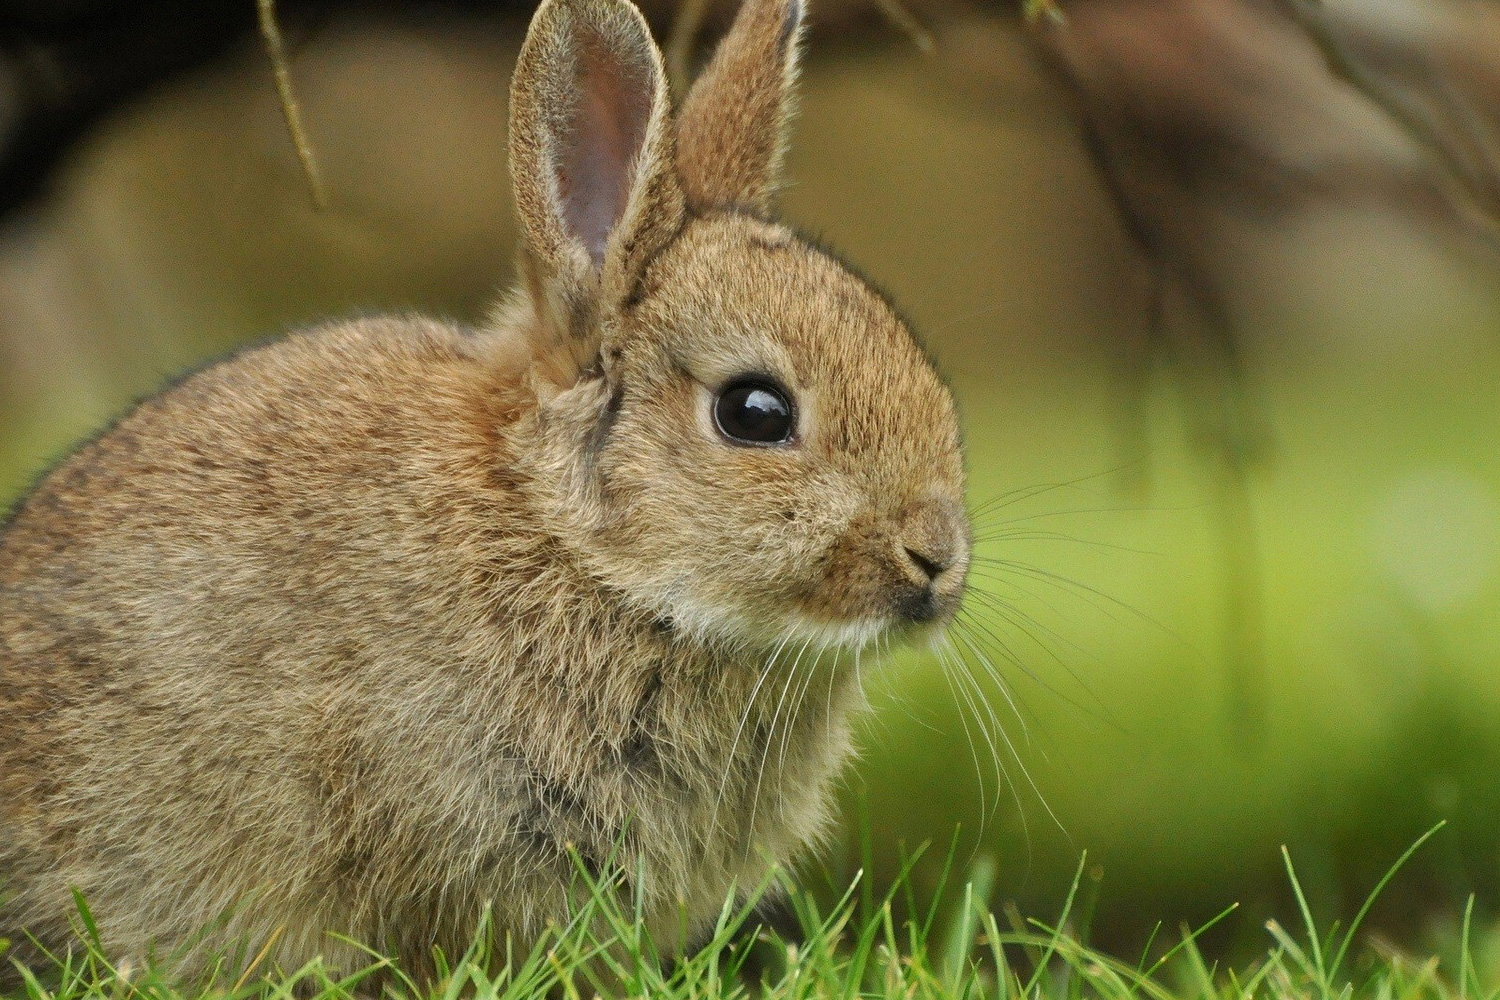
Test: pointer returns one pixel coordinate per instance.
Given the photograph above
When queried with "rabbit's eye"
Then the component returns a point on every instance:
(752, 411)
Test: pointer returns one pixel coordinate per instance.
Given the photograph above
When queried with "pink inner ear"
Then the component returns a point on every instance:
(608, 128)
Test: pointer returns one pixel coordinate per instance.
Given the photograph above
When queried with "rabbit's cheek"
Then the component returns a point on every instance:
(853, 578)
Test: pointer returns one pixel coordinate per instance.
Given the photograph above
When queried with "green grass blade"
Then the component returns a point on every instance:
(1307, 919)
(1338, 959)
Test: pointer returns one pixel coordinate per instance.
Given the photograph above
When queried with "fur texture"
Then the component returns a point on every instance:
(363, 629)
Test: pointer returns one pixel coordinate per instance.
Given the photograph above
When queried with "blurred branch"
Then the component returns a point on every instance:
(270, 33)
(906, 22)
(1034, 10)
(1138, 159)
(1478, 173)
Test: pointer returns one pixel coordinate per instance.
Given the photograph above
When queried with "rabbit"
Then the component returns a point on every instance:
(368, 628)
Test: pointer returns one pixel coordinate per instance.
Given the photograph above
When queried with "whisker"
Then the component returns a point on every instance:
(1019, 619)
(908, 706)
(1001, 603)
(794, 715)
(999, 681)
(990, 520)
(828, 697)
(965, 620)
(1002, 772)
(1030, 781)
(1023, 493)
(1077, 588)
(729, 764)
(1012, 582)
(1026, 535)
(771, 734)
(976, 697)
(958, 702)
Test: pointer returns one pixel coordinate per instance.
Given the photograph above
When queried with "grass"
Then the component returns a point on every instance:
(855, 949)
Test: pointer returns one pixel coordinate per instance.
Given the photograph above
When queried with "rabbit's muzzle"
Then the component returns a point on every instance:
(896, 569)
(932, 557)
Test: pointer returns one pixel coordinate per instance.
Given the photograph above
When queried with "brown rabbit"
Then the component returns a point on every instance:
(362, 629)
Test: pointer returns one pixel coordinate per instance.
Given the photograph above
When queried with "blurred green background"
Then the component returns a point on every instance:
(1350, 699)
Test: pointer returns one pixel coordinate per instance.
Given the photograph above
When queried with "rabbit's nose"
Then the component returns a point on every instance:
(932, 540)
(931, 563)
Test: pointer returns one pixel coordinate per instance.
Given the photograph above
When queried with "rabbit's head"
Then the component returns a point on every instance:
(732, 430)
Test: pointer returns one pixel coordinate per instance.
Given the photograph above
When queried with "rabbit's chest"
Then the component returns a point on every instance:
(685, 782)
(707, 788)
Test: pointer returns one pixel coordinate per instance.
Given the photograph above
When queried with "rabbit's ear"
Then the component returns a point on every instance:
(591, 153)
(732, 129)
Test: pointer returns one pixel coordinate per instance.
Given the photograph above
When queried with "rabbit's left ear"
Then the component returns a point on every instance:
(733, 125)
(592, 151)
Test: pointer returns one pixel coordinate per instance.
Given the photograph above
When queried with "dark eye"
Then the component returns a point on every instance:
(753, 411)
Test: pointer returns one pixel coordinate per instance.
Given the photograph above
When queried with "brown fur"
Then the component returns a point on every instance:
(361, 630)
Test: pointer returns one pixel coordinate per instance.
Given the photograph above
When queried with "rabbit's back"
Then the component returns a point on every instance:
(206, 614)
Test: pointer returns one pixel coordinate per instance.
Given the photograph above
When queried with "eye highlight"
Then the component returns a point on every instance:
(754, 411)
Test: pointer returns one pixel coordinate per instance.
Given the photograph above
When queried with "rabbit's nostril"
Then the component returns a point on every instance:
(931, 563)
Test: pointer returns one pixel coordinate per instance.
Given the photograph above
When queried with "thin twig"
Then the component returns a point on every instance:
(906, 22)
(270, 32)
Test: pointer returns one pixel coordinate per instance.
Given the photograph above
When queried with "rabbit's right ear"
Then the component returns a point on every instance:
(733, 127)
(592, 161)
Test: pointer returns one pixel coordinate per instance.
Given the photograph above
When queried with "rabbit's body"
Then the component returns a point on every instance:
(365, 629)
(197, 704)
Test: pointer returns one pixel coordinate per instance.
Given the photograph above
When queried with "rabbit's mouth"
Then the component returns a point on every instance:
(919, 615)
(923, 607)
